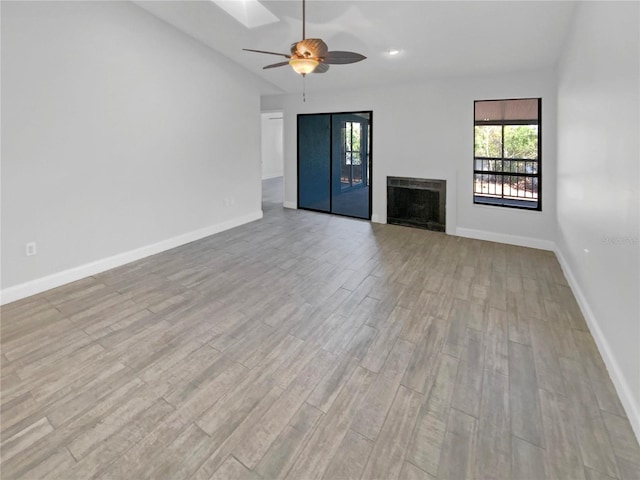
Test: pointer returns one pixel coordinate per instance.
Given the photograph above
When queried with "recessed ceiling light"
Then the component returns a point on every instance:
(393, 51)
(250, 13)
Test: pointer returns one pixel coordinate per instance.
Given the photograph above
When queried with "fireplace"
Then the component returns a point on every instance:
(417, 202)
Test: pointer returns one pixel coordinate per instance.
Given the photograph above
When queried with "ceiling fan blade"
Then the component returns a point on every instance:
(321, 68)
(268, 53)
(274, 65)
(312, 47)
(342, 58)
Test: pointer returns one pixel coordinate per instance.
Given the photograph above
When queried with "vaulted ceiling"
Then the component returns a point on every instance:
(436, 39)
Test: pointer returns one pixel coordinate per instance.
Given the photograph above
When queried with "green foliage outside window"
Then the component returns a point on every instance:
(488, 141)
(520, 141)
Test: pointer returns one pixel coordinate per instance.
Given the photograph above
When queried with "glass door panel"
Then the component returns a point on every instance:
(350, 157)
(314, 154)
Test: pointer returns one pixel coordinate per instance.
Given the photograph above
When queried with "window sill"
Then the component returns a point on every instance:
(513, 204)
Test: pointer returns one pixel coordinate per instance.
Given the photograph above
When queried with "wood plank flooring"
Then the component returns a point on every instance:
(309, 346)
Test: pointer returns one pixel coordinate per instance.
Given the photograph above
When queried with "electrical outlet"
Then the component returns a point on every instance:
(30, 249)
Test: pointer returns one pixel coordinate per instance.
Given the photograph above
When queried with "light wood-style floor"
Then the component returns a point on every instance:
(309, 346)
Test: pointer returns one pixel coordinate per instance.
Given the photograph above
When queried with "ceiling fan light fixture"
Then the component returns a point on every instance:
(303, 65)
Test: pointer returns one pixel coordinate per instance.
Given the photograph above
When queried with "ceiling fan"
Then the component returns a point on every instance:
(311, 55)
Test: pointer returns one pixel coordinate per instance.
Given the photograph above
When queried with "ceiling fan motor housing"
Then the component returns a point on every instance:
(310, 48)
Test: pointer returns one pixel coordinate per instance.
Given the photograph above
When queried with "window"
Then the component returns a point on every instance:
(351, 172)
(506, 170)
(352, 142)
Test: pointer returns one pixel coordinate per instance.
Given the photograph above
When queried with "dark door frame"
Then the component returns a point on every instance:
(369, 161)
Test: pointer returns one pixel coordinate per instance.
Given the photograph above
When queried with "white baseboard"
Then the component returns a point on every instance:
(267, 176)
(504, 238)
(622, 387)
(32, 287)
(293, 205)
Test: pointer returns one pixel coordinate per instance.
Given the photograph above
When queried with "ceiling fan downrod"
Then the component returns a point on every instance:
(304, 21)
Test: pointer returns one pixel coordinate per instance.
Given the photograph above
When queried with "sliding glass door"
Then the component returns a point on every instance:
(314, 171)
(334, 163)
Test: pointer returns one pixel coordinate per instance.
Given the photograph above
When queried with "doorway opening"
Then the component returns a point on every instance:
(272, 157)
(272, 160)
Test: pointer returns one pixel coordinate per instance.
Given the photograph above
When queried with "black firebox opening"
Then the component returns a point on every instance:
(416, 202)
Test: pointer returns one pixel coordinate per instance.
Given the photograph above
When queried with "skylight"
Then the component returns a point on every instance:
(249, 13)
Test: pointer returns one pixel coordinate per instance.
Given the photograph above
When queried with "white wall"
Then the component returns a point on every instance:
(598, 178)
(121, 137)
(426, 130)
(272, 160)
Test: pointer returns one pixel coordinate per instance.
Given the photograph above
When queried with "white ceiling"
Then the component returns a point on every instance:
(437, 38)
